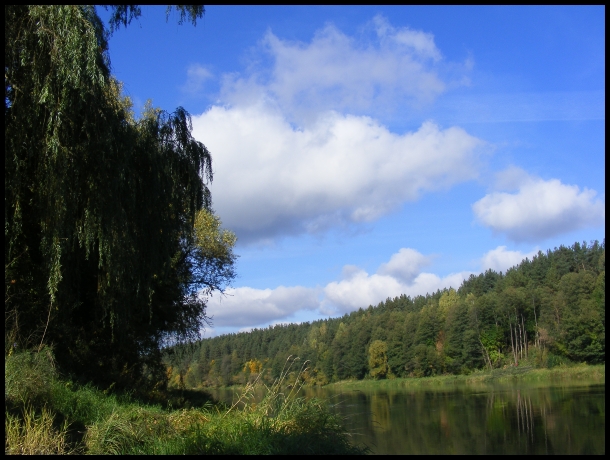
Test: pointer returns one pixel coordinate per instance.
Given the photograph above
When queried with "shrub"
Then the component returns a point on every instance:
(28, 376)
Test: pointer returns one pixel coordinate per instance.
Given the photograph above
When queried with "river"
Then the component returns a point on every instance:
(482, 419)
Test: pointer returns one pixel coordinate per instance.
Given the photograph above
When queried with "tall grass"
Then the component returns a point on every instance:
(47, 414)
(282, 422)
(34, 434)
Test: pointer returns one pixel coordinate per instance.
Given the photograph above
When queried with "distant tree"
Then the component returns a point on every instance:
(378, 360)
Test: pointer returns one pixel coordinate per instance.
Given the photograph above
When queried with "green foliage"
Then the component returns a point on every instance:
(491, 340)
(71, 418)
(105, 215)
(544, 312)
(124, 14)
(28, 376)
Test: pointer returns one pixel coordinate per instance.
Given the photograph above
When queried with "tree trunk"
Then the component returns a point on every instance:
(536, 338)
(524, 336)
(512, 342)
(518, 335)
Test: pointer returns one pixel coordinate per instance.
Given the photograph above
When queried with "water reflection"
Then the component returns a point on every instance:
(474, 420)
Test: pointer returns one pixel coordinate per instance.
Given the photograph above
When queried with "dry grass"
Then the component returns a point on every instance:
(34, 434)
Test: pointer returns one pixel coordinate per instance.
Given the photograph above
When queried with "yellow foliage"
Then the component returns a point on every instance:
(211, 239)
(254, 366)
(378, 360)
(446, 303)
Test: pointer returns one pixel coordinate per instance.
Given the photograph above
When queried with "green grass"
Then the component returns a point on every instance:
(577, 374)
(47, 414)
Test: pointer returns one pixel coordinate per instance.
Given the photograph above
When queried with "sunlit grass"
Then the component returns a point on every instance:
(34, 434)
(577, 374)
(46, 414)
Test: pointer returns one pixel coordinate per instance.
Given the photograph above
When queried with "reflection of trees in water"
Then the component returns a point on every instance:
(525, 418)
(380, 410)
(546, 421)
(525, 415)
(497, 421)
(474, 420)
(516, 418)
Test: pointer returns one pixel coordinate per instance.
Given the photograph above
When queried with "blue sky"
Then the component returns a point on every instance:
(364, 152)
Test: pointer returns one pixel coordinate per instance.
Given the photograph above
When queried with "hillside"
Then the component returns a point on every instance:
(545, 311)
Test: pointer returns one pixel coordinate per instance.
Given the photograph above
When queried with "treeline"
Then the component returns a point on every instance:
(545, 311)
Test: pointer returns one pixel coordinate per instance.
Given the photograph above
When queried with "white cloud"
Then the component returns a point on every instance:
(510, 179)
(395, 67)
(248, 307)
(292, 149)
(405, 265)
(359, 291)
(500, 259)
(273, 179)
(364, 289)
(245, 308)
(420, 42)
(196, 76)
(400, 275)
(539, 209)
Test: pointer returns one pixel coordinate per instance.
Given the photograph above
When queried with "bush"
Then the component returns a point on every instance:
(554, 360)
(28, 377)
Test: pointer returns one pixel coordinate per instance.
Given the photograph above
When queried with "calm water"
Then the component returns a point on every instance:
(473, 420)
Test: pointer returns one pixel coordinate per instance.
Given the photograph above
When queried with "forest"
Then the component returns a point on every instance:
(545, 311)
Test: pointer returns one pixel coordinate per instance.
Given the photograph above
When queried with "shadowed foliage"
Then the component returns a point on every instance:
(103, 257)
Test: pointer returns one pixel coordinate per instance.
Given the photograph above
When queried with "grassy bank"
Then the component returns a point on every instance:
(46, 414)
(565, 375)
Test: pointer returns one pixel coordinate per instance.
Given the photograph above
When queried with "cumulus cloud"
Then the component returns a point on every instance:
(419, 43)
(295, 145)
(501, 259)
(248, 307)
(363, 290)
(272, 178)
(336, 72)
(244, 308)
(539, 209)
(405, 265)
(400, 275)
(359, 291)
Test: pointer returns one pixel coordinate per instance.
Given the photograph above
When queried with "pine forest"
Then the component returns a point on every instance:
(545, 311)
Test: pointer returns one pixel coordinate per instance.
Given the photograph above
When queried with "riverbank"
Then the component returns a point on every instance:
(46, 414)
(564, 375)
(510, 411)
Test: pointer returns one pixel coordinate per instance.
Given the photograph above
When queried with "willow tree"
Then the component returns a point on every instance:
(106, 250)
